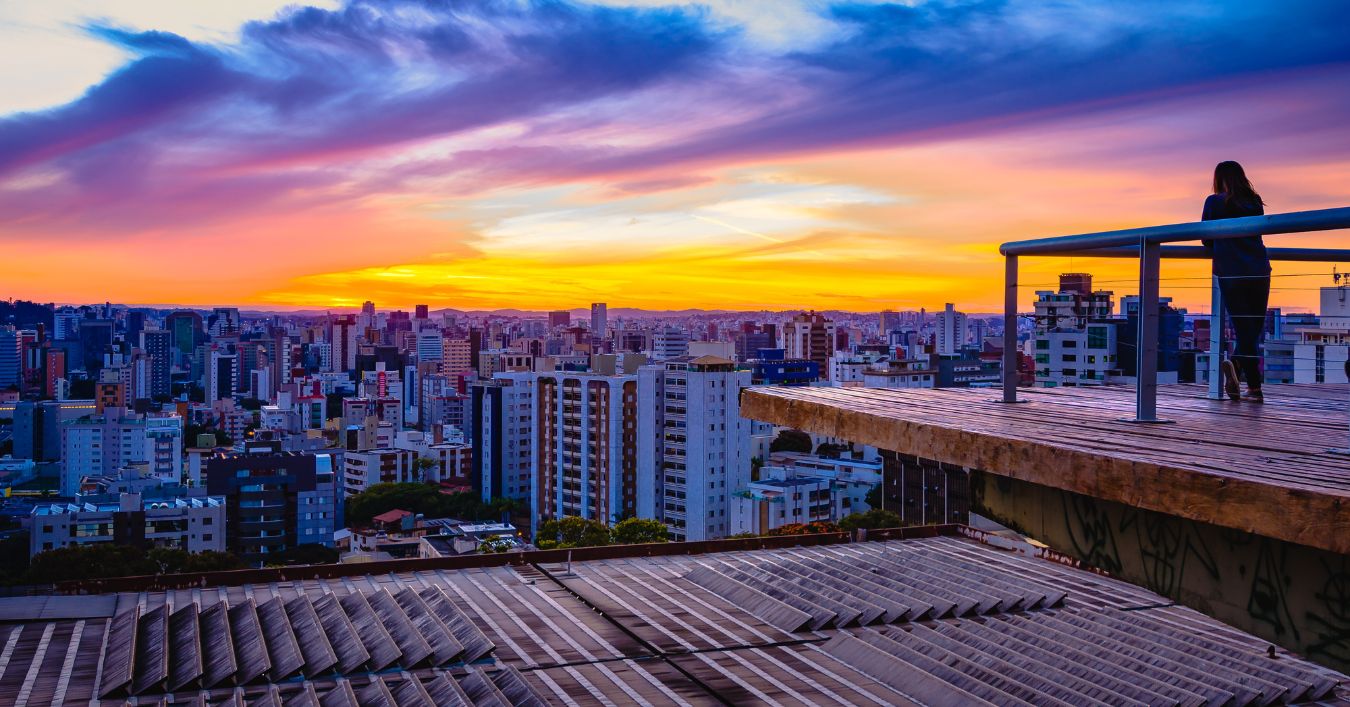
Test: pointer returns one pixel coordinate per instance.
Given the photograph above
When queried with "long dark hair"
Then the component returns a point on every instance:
(1231, 181)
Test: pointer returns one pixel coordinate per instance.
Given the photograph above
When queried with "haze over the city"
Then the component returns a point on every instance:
(735, 155)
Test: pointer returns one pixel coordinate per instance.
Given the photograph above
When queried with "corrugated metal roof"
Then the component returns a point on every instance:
(943, 620)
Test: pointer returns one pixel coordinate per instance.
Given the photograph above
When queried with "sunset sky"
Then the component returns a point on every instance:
(737, 154)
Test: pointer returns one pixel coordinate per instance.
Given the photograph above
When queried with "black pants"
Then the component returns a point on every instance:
(1245, 299)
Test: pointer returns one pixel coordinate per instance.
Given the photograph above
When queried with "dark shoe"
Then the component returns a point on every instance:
(1230, 380)
(1255, 396)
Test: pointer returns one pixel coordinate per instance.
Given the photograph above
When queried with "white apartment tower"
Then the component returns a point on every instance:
(951, 330)
(694, 448)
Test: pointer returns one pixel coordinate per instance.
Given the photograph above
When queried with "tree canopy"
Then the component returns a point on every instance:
(423, 498)
(871, 520)
(571, 531)
(791, 441)
(873, 497)
(633, 531)
(98, 560)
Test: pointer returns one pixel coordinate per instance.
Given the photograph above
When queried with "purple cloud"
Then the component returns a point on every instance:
(288, 116)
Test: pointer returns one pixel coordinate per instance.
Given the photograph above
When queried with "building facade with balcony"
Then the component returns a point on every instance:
(586, 446)
(276, 501)
(194, 524)
(693, 446)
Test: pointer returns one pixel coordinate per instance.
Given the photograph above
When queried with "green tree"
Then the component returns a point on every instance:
(91, 561)
(423, 498)
(380, 498)
(424, 466)
(873, 498)
(571, 531)
(494, 545)
(871, 520)
(791, 441)
(634, 531)
(172, 560)
(307, 554)
(831, 450)
(13, 558)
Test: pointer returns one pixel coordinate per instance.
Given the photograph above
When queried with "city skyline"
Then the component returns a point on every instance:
(850, 156)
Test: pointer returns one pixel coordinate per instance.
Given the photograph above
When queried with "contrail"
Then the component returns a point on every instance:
(756, 234)
(738, 229)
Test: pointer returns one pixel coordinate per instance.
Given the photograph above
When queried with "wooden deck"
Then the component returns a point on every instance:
(1259, 468)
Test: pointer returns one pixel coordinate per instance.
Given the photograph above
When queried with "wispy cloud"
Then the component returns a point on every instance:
(460, 127)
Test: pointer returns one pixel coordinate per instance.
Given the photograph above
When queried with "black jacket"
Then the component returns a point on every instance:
(1235, 256)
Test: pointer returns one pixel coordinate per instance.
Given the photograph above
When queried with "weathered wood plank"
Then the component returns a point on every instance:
(1261, 469)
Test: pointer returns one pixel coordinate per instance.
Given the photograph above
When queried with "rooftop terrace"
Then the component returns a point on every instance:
(942, 620)
(1265, 469)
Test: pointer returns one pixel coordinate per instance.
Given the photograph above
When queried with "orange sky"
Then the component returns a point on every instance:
(639, 198)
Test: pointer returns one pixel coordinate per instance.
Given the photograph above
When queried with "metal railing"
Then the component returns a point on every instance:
(1147, 244)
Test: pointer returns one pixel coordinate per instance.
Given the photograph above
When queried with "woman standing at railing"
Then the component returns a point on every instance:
(1243, 269)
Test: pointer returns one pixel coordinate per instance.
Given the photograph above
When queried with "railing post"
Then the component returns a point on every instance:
(1146, 342)
(1216, 323)
(1010, 372)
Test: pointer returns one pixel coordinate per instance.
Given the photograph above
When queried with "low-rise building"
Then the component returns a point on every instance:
(194, 524)
(772, 503)
(365, 468)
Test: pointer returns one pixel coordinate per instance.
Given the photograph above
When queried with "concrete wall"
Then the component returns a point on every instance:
(1292, 595)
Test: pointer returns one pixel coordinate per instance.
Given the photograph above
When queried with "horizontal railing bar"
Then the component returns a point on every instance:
(1197, 252)
(1294, 222)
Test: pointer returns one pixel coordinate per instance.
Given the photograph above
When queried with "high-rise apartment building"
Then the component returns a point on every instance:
(950, 331)
(157, 344)
(222, 373)
(586, 441)
(693, 446)
(599, 321)
(1075, 341)
(810, 336)
(1073, 305)
(1321, 352)
(560, 318)
(11, 357)
(96, 338)
(66, 324)
(669, 343)
(54, 371)
(100, 445)
(342, 337)
(430, 346)
(275, 501)
(504, 436)
(224, 321)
